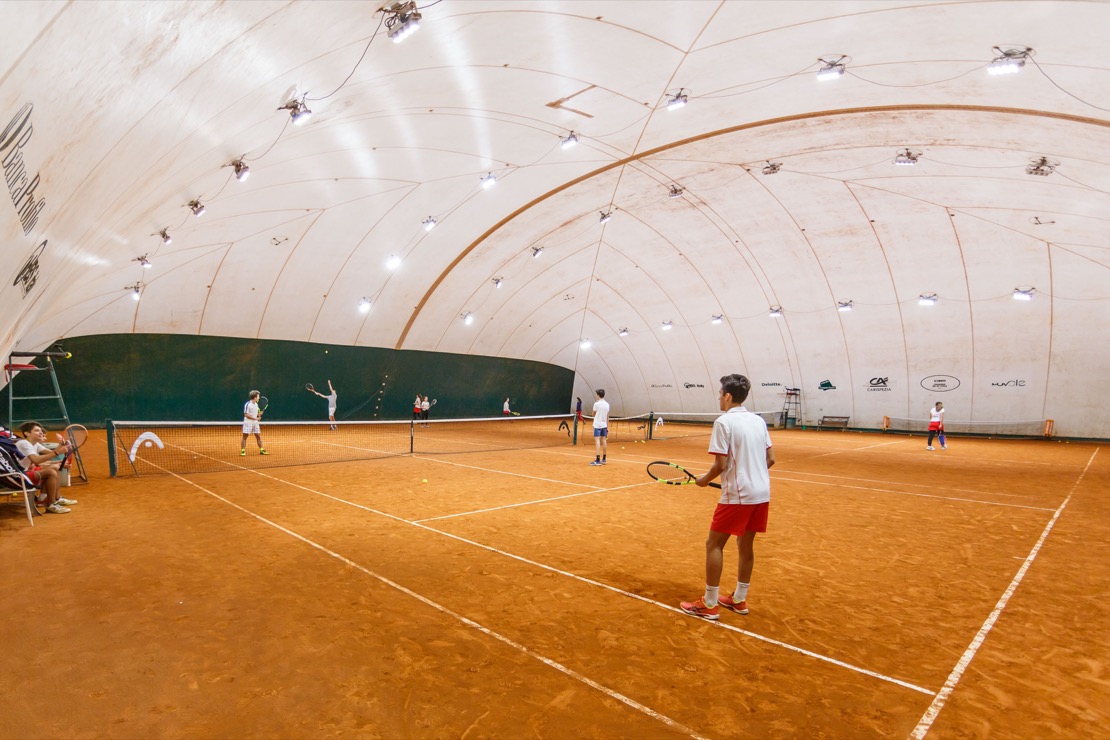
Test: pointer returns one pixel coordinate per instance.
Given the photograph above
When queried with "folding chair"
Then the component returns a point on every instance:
(14, 481)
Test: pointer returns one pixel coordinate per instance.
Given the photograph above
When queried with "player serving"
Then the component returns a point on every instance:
(332, 399)
(742, 455)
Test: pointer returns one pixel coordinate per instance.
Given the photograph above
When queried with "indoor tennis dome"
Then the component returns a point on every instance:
(882, 204)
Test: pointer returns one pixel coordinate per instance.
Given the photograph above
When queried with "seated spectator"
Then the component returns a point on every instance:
(42, 466)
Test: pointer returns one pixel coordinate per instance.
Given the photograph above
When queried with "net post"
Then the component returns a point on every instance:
(412, 437)
(110, 430)
(574, 434)
(651, 425)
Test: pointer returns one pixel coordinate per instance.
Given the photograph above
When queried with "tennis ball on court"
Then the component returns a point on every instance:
(424, 481)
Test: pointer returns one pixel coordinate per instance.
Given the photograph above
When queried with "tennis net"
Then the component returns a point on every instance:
(673, 425)
(1024, 428)
(158, 447)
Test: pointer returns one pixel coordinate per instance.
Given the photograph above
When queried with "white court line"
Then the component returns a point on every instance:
(522, 503)
(455, 615)
(891, 482)
(777, 477)
(589, 581)
(606, 586)
(931, 713)
(668, 607)
(502, 472)
(919, 495)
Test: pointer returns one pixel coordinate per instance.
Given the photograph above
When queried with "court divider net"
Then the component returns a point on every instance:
(675, 424)
(160, 447)
(1030, 428)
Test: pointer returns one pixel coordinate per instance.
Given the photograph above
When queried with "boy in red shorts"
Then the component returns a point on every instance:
(742, 456)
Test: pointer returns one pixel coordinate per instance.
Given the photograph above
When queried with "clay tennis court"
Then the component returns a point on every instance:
(527, 594)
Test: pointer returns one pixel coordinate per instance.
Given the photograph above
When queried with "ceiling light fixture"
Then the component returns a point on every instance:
(143, 262)
(570, 141)
(676, 192)
(242, 172)
(776, 312)
(831, 69)
(537, 251)
(393, 262)
(197, 207)
(605, 216)
(1041, 166)
(844, 306)
(678, 100)
(364, 305)
(927, 299)
(467, 318)
(429, 223)
(666, 326)
(489, 181)
(166, 238)
(497, 282)
(584, 344)
(403, 21)
(772, 167)
(136, 291)
(1024, 294)
(906, 158)
(718, 318)
(622, 332)
(298, 111)
(1009, 61)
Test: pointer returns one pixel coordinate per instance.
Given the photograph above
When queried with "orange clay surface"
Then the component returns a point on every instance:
(526, 594)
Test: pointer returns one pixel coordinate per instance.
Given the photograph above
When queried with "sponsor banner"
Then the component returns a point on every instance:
(692, 385)
(879, 385)
(771, 385)
(661, 385)
(826, 385)
(1007, 383)
(940, 383)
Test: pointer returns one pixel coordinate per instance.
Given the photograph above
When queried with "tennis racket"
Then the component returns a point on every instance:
(515, 413)
(673, 475)
(75, 435)
(435, 401)
(263, 404)
(308, 387)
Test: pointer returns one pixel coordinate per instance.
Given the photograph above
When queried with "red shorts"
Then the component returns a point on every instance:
(35, 474)
(934, 426)
(737, 519)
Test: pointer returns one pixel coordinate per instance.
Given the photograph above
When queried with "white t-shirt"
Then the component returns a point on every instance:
(601, 414)
(332, 402)
(936, 415)
(742, 436)
(506, 408)
(28, 448)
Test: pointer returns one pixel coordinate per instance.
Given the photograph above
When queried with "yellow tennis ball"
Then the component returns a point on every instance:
(424, 481)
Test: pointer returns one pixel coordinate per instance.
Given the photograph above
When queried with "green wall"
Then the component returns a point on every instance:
(171, 377)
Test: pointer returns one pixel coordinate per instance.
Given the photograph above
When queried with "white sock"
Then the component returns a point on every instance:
(711, 595)
(741, 592)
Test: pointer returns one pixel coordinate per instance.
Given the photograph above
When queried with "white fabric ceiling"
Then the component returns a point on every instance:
(127, 111)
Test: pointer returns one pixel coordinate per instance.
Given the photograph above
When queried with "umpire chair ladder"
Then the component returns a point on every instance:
(792, 408)
(14, 368)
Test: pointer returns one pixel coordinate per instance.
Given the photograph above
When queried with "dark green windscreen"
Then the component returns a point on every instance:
(176, 377)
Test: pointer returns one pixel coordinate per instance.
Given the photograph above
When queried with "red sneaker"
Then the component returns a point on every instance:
(700, 610)
(740, 607)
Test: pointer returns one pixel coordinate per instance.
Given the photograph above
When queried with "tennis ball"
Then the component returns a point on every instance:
(424, 481)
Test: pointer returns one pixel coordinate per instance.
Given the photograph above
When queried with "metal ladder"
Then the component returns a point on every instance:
(14, 368)
(792, 408)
